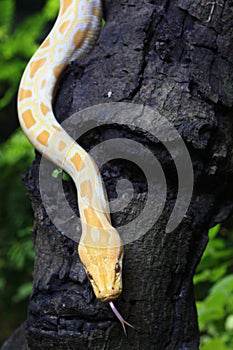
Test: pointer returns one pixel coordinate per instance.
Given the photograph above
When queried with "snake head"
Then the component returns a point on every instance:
(106, 279)
(104, 268)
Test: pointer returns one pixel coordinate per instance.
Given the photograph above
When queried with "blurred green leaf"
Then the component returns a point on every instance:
(225, 286)
(15, 53)
(229, 323)
(214, 344)
(2, 283)
(213, 231)
(7, 8)
(23, 292)
(16, 148)
(215, 306)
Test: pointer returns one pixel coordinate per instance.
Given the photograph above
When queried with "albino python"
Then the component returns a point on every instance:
(100, 247)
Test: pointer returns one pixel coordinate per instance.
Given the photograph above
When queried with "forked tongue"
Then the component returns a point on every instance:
(120, 318)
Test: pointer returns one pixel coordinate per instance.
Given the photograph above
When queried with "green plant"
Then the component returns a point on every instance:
(64, 175)
(18, 43)
(214, 289)
(16, 247)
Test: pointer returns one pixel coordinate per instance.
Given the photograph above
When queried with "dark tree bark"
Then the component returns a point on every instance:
(175, 56)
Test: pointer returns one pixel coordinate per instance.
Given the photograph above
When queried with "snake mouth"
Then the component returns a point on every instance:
(109, 297)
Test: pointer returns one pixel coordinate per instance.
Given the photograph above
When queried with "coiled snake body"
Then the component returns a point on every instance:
(100, 247)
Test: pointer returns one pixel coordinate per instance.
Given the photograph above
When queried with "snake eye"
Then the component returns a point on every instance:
(89, 276)
(117, 268)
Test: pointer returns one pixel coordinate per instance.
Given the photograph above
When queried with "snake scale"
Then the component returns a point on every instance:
(100, 247)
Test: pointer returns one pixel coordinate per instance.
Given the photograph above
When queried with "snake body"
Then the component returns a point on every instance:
(100, 247)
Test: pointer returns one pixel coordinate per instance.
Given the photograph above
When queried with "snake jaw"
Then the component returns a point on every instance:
(120, 318)
(109, 297)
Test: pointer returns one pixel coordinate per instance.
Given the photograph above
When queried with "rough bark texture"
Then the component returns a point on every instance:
(164, 54)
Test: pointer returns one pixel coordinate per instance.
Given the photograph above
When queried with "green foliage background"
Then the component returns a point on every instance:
(214, 276)
(19, 39)
(214, 290)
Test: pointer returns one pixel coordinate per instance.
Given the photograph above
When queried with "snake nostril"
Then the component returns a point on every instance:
(113, 288)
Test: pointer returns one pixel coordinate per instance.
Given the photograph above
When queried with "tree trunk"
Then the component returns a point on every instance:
(176, 57)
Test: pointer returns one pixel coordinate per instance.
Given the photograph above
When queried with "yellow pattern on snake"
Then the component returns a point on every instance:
(100, 247)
